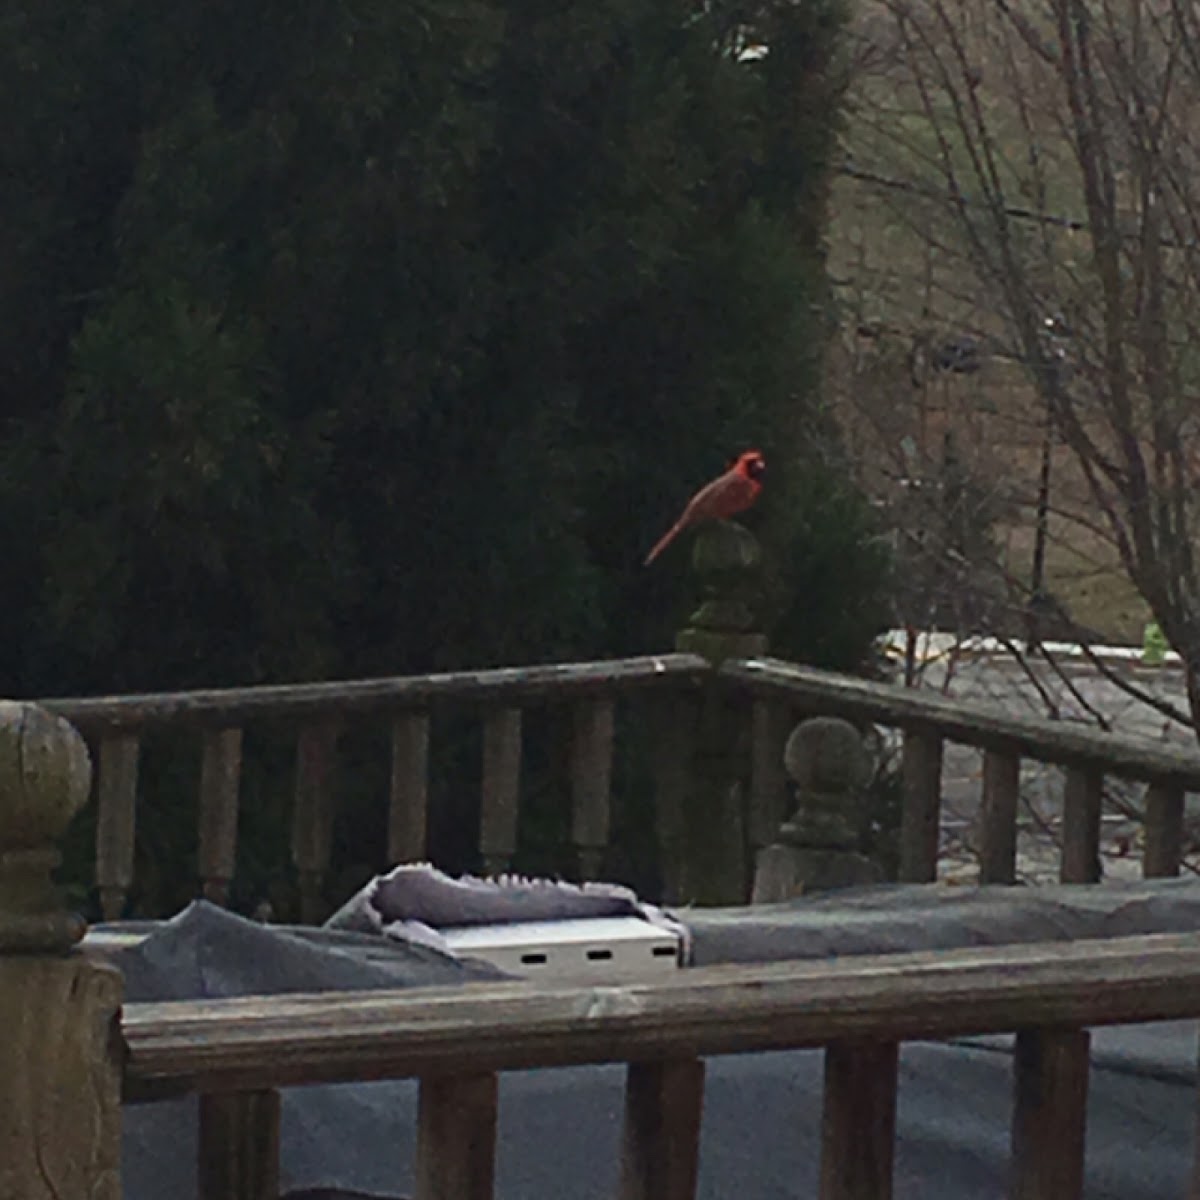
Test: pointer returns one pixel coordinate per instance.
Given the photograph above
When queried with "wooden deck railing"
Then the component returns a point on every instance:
(776, 694)
(928, 721)
(236, 1053)
(69, 1051)
(319, 712)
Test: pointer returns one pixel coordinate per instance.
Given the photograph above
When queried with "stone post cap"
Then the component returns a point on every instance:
(826, 754)
(726, 559)
(825, 758)
(725, 546)
(45, 774)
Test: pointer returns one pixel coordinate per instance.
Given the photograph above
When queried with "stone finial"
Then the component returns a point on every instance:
(726, 558)
(45, 772)
(830, 768)
(817, 848)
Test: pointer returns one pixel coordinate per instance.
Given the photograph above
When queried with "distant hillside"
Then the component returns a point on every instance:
(924, 366)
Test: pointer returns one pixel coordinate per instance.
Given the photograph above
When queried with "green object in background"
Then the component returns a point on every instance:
(1154, 645)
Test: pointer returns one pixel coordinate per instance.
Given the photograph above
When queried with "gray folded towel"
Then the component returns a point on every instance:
(413, 901)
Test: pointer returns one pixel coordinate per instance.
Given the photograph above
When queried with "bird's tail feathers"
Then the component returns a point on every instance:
(663, 542)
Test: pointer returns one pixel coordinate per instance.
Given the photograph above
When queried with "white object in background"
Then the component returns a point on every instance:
(583, 949)
(113, 938)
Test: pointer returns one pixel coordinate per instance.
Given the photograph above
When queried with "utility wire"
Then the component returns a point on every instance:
(1015, 211)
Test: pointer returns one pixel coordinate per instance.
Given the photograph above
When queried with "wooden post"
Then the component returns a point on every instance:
(60, 1066)
(238, 1149)
(501, 789)
(220, 777)
(1049, 1114)
(714, 866)
(998, 817)
(1164, 831)
(116, 821)
(312, 817)
(408, 811)
(1083, 795)
(858, 1127)
(591, 783)
(921, 815)
(663, 1106)
(456, 1138)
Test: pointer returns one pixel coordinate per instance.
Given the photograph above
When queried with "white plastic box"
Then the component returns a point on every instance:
(586, 949)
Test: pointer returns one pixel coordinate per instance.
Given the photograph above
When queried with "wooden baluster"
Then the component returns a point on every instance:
(1049, 1114)
(771, 725)
(220, 777)
(238, 1149)
(501, 789)
(456, 1138)
(998, 817)
(675, 725)
(117, 821)
(1083, 796)
(408, 809)
(312, 816)
(1164, 830)
(858, 1125)
(921, 815)
(591, 783)
(661, 1147)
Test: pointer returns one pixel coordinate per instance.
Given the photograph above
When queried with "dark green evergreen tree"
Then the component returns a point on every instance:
(384, 335)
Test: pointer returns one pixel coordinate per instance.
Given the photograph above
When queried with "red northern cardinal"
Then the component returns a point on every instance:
(725, 496)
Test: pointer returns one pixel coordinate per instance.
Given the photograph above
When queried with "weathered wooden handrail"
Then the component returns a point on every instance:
(1059, 742)
(227, 707)
(238, 1052)
(277, 1041)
